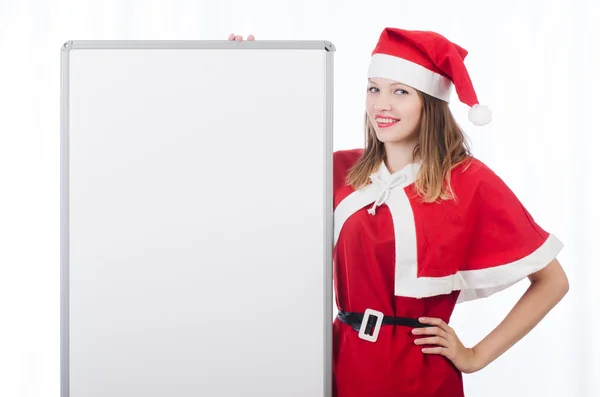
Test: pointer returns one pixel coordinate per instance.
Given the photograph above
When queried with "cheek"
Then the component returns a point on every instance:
(369, 106)
(415, 113)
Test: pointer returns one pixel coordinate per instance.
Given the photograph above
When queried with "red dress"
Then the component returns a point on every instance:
(410, 259)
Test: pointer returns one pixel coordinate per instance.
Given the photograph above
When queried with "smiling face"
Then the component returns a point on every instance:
(390, 99)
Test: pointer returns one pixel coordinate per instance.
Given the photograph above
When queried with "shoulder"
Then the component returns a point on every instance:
(476, 181)
(346, 157)
(343, 161)
(474, 173)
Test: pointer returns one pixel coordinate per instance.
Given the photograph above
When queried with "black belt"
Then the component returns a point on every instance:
(355, 320)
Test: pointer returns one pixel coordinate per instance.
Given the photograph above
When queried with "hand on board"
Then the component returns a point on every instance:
(240, 38)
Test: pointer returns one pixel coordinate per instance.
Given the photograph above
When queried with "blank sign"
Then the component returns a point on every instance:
(196, 218)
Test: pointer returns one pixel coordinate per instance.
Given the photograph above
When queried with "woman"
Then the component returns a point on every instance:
(420, 225)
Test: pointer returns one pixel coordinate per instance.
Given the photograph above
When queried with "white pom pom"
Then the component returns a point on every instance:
(480, 115)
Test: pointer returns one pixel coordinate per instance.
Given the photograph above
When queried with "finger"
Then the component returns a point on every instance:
(430, 331)
(435, 350)
(436, 340)
(438, 322)
(231, 37)
(239, 38)
(251, 37)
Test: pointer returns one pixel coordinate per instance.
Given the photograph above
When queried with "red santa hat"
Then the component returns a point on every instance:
(428, 62)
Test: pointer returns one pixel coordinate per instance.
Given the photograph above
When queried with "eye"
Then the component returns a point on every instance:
(399, 89)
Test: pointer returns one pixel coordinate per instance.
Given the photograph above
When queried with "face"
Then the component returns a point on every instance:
(391, 99)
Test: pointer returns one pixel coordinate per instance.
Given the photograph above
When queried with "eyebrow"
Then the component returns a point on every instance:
(393, 84)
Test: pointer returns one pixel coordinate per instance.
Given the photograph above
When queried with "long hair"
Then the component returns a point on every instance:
(442, 146)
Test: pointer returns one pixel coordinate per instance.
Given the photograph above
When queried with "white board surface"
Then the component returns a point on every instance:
(196, 218)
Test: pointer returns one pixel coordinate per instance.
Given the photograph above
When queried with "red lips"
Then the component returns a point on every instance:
(383, 116)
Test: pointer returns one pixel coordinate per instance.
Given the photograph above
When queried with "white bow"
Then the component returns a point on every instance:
(385, 192)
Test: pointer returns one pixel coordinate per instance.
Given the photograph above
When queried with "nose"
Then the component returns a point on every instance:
(382, 102)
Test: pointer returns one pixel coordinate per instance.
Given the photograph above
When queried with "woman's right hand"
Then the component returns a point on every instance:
(233, 37)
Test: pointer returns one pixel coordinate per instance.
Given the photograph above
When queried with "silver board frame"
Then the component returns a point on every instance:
(70, 45)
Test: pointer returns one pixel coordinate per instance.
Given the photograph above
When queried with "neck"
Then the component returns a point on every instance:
(399, 156)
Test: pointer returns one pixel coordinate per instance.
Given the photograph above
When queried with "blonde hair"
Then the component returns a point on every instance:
(442, 146)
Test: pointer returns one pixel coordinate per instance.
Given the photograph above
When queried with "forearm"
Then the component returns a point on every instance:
(536, 302)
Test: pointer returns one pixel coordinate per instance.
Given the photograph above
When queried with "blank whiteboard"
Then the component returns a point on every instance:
(196, 218)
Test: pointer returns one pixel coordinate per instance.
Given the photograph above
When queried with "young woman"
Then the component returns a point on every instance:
(421, 225)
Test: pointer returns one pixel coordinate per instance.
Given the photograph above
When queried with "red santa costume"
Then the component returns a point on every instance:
(395, 256)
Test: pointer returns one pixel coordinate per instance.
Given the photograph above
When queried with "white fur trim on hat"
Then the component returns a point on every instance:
(411, 74)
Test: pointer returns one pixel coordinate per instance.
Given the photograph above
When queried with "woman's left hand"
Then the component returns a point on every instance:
(463, 358)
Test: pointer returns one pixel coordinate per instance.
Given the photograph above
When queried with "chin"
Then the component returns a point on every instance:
(386, 135)
(392, 137)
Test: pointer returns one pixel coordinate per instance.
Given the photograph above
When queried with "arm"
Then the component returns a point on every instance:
(548, 286)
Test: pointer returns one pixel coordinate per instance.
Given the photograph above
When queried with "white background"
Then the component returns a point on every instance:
(534, 63)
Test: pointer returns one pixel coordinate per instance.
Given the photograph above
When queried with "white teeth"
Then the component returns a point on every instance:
(386, 120)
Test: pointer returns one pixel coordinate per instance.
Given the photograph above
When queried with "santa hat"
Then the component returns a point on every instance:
(428, 62)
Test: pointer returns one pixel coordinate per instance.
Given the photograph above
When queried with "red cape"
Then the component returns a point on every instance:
(481, 244)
